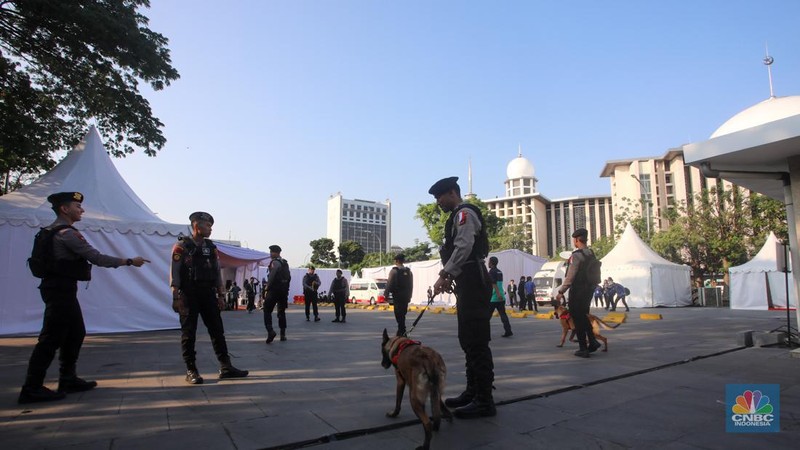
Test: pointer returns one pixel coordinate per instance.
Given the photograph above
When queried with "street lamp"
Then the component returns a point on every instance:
(647, 199)
(534, 219)
(380, 247)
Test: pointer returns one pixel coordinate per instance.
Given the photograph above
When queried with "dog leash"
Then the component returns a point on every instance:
(430, 302)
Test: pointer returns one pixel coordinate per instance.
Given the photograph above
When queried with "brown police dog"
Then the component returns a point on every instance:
(568, 325)
(423, 370)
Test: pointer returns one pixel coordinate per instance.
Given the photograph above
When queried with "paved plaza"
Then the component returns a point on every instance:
(660, 385)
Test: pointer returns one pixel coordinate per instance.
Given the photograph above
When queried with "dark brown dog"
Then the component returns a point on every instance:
(568, 325)
(423, 370)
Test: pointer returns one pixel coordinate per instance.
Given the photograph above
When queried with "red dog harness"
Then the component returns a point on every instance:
(401, 347)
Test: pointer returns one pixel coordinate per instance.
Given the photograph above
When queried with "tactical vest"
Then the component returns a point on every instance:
(200, 264)
(403, 283)
(480, 249)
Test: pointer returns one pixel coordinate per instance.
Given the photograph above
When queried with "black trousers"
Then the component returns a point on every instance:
(473, 296)
(311, 300)
(579, 309)
(400, 311)
(281, 300)
(251, 302)
(338, 305)
(62, 329)
(531, 300)
(500, 307)
(202, 302)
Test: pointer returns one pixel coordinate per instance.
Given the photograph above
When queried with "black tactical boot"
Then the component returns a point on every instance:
(69, 382)
(283, 334)
(232, 372)
(462, 400)
(192, 375)
(38, 394)
(271, 336)
(481, 406)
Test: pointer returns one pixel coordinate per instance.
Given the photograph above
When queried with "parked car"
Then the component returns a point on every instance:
(368, 290)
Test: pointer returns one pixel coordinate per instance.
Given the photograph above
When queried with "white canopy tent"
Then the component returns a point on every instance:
(116, 222)
(513, 264)
(652, 280)
(761, 283)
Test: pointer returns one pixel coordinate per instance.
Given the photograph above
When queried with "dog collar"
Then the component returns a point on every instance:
(401, 347)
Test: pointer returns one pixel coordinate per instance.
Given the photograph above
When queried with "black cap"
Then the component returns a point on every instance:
(65, 197)
(275, 248)
(580, 232)
(443, 186)
(400, 257)
(200, 215)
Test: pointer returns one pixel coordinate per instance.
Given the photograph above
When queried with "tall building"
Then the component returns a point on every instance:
(549, 223)
(363, 221)
(665, 181)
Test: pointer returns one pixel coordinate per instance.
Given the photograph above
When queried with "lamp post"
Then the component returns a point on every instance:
(647, 199)
(534, 219)
(380, 247)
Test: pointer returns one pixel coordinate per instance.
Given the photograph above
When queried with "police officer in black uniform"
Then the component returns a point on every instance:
(400, 285)
(311, 283)
(276, 293)
(63, 327)
(580, 293)
(197, 290)
(465, 246)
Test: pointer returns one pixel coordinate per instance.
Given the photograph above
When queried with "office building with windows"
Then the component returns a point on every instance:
(364, 221)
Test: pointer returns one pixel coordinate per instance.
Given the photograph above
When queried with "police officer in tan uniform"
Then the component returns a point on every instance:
(465, 246)
(63, 327)
(197, 290)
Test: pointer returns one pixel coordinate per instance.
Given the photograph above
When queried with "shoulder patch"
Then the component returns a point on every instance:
(462, 217)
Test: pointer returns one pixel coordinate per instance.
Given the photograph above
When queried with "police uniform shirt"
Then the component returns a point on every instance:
(70, 244)
(466, 226)
(274, 270)
(180, 257)
(308, 280)
(399, 281)
(576, 260)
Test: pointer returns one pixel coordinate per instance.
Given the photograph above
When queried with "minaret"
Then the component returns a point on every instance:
(469, 180)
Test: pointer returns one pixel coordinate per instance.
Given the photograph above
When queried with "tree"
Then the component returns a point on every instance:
(64, 64)
(602, 246)
(433, 220)
(633, 211)
(322, 254)
(350, 253)
(513, 236)
(420, 251)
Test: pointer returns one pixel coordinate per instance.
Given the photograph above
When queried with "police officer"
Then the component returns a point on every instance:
(339, 290)
(465, 246)
(63, 328)
(311, 283)
(580, 293)
(400, 286)
(276, 293)
(197, 291)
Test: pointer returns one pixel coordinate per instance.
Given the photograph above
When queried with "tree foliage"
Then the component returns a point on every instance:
(433, 220)
(513, 236)
(322, 254)
(64, 64)
(350, 253)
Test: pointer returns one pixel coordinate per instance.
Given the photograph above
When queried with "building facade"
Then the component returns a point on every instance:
(364, 221)
(549, 224)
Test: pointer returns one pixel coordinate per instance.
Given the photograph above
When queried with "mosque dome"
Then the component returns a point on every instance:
(519, 167)
(770, 110)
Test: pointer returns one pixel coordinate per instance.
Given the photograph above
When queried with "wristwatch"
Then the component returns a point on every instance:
(128, 262)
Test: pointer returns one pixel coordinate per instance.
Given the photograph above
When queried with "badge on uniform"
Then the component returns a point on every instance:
(462, 217)
(176, 257)
(206, 251)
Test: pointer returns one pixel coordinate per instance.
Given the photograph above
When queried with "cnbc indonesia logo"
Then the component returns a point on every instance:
(752, 409)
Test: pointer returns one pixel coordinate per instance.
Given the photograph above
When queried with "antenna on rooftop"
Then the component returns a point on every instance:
(768, 60)
(519, 153)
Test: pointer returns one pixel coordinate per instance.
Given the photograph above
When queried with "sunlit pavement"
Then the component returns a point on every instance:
(660, 385)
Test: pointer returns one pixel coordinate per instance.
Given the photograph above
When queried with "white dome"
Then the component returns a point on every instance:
(519, 167)
(770, 110)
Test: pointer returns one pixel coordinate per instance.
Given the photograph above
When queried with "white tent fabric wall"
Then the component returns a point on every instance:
(756, 282)
(652, 280)
(513, 264)
(325, 278)
(116, 222)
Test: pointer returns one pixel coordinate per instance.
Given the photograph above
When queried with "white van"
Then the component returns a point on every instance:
(368, 290)
(548, 279)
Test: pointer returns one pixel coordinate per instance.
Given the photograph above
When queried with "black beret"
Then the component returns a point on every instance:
(200, 215)
(65, 197)
(443, 186)
(400, 257)
(275, 248)
(580, 232)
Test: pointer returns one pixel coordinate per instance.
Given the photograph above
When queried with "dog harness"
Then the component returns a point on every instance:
(401, 347)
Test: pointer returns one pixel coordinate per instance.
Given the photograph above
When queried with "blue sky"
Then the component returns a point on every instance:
(282, 103)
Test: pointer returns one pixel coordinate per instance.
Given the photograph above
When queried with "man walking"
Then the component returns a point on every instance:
(400, 286)
(465, 246)
(66, 263)
(580, 293)
(276, 293)
(498, 297)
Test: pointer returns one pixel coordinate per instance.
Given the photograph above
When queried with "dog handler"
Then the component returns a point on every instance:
(580, 294)
(464, 249)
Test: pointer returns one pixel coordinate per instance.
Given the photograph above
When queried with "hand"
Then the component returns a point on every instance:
(179, 303)
(559, 296)
(441, 285)
(139, 261)
(221, 302)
